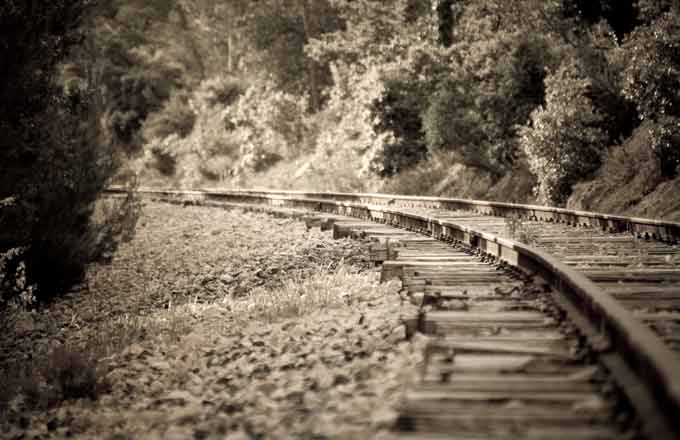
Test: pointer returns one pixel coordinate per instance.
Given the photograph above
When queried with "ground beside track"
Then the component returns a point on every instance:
(214, 324)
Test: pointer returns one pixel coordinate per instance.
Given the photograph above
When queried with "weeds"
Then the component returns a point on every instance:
(126, 330)
(299, 296)
(74, 373)
(66, 373)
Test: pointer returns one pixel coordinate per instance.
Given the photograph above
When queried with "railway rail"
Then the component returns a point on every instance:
(573, 333)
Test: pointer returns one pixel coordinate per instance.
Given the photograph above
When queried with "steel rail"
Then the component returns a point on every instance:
(652, 228)
(643, 366)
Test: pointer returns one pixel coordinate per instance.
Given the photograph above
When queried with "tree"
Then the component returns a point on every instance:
(378, 88)
(145, 50)
(651, 10)
(564, 140)
(652, 80)
(372, 32)
(492, 81)
(621, 15)
(219, 26)
(54, 159)
(278, 31)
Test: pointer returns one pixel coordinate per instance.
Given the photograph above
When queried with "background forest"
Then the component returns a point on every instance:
(516, 101)
(565, 102)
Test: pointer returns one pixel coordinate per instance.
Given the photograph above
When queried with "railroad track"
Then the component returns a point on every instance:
(573, 334)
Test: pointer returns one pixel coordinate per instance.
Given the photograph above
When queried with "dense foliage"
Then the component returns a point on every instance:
(565, 137)
(652, 82)
(363, 92)
(54, 157)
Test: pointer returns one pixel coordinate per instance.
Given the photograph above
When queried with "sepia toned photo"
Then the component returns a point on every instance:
(340, 219)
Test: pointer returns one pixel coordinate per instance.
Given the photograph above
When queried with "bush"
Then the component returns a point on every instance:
(475, 110)
(373, 115)
(223, 91)
(565, 139)
(272, 121)
(652, 81)
(66, 373)
(445, 176)
(164, 154)
(53, 217)
(216, 168)
(54, 158)
(423, 178)
(452, 124)
(629, 173)
(397, 113)
(665, 143)
(176, 117)
(133, 94)
(73, 374)
(344, 128)
(13, 282)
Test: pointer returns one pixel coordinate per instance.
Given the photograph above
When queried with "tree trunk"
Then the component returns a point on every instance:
(309, 31)
(230, 50)
(445, 22)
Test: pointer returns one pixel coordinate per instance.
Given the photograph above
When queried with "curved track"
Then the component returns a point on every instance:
(617, 279)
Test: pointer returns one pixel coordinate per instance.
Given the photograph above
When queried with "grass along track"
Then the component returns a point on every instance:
(641, 362)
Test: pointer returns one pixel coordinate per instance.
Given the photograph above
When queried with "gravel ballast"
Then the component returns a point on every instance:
(217, 323)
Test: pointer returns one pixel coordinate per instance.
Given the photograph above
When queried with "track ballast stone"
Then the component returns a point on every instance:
(190, 350)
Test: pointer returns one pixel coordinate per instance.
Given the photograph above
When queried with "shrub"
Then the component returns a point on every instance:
(76, 166)
(271, 120)
(219, 156)
(423, 178)
(224, 91)
(488, 91)
(344, 127)
(54, 157)
(216, 168)
(397, 113)
(665, 143)
(445, 176)
(373, 115)
(652, 81)
(162, 154)
(66, 373)
(565, 138)
(73, 373)
(255, 160)
(13, 283)
(629, 172)
(133, 93)
(176, 117)
(452, 124)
